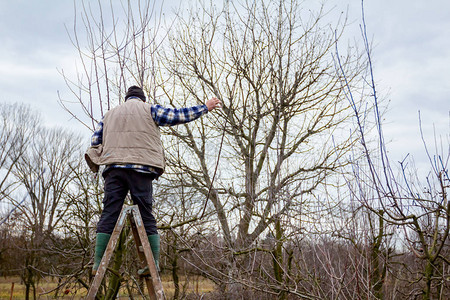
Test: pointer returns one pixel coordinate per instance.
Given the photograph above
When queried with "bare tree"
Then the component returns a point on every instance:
(419, 207)
(44, 170)
(270, 64)
(18, 125)
(117, 46)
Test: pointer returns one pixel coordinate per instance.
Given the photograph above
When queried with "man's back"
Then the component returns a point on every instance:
(130, 136)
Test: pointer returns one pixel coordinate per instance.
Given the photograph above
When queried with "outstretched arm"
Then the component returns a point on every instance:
(173, 116)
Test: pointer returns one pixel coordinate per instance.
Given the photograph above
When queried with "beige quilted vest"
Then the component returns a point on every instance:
(130, 136)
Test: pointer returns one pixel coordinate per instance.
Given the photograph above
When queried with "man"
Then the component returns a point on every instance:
(127, 141)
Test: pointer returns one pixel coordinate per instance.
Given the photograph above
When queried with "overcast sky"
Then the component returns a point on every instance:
(411, 59)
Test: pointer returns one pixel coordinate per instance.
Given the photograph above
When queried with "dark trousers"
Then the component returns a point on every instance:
(117, 184)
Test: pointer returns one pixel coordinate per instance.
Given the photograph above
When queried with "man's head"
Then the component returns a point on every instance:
(135, 91)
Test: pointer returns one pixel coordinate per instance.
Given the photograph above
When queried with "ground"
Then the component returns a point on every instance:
(13, 284)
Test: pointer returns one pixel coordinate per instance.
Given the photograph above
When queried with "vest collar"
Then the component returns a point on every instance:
(134, 97)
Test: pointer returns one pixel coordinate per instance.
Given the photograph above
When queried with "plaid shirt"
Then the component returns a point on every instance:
(163, 117)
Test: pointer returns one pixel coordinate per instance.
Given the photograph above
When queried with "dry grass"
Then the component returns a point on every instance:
(14, 285)
(197, 286)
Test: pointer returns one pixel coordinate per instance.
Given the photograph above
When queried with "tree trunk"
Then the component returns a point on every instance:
(377, 276)
(114, 281)
(27, 291)
(426, 293)
(175, 278)
(278, 258)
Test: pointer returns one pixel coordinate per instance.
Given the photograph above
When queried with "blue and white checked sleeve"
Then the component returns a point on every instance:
(173, 116)
(97, 137)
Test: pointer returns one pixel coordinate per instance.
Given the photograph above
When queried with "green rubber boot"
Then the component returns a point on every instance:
(100, 247)
(155, 245)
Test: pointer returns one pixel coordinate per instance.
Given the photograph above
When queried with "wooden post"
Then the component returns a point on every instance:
(12, 291)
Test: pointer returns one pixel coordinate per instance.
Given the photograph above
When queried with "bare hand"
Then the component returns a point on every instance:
(213, 103)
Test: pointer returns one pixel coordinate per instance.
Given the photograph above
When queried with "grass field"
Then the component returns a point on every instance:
(13, 284)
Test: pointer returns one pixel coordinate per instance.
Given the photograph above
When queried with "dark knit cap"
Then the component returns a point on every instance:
(135, 91)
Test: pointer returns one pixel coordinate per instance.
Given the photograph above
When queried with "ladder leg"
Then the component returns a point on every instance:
(144, 250)
(108, 253)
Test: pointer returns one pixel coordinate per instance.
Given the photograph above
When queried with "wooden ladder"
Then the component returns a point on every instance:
(154, 285)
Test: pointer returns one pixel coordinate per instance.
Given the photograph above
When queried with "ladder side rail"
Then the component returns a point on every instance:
(157, 285)
(108, 254)
(141, 255)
